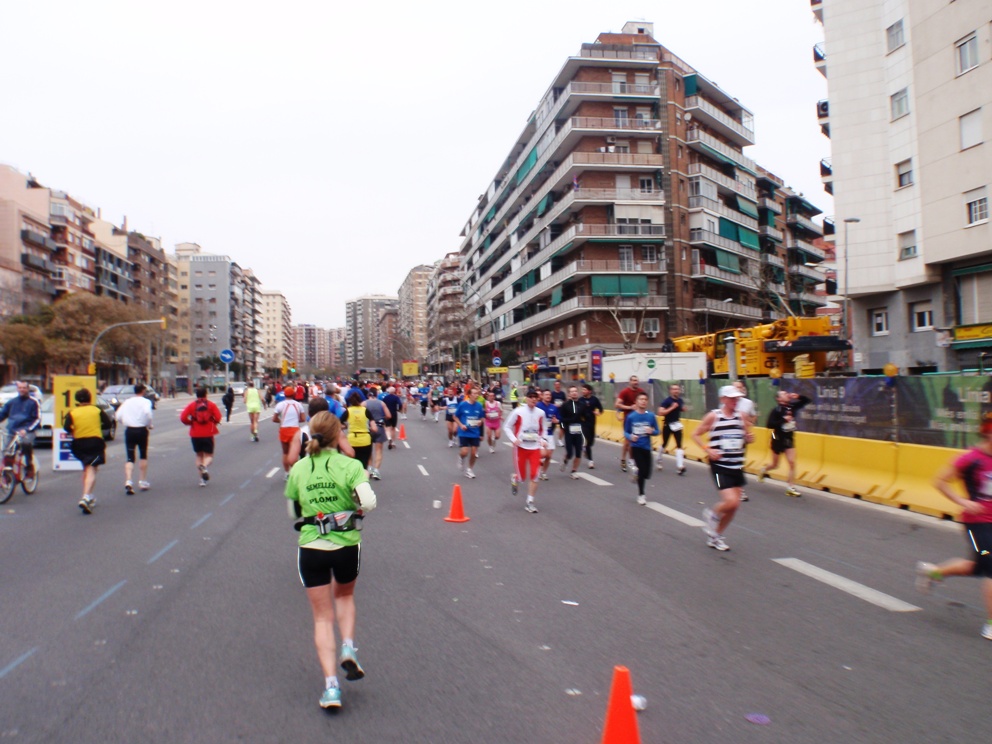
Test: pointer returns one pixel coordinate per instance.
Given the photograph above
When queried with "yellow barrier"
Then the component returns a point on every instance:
(916, 466)
(863, 468)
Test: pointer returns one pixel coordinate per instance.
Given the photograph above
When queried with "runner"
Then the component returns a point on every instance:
(469, 415)
(974, 470)
(228, 401)
(782, 422)
(23, 416)
(514, 395)
(253, 402)
(671, 409)
(394, 404)
(202, 417)
(573, 413)
(437, 396)
(638, 428)
(424, 392)
(450, 402)
(85, 423)
(558, 398)
(728, 433)
(380, 415)
(748, 411)
(595, 408)
(135, 415)
(624, 404)
(290, 414)
(551, 416)
(360, 428)
(329, 556)
(494, 419)
(525, 427)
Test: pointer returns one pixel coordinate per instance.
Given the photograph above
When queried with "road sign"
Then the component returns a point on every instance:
(497, 370)
(497, 361)
(227, 356)
(651, 363)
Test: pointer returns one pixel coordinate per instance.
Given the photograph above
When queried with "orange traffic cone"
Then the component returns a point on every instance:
(402, 432)
(621, 720)
(456, 513)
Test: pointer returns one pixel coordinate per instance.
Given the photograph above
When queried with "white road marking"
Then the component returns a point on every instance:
(853, 588)
(423, 470)
(406, 444)
(594, 479)
(674, 514)
(272, 472)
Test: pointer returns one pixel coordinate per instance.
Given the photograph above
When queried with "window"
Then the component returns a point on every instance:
(620, 117)
(904, 174)
(571, 331)
(894, 35)
(974, 297)
(921, 316)
(582, 328)
(970, 126)
(628, 325)
(907, 245)
(977, 205)
(626, 255)
(647, 184)
(879, 322)
(651, 325)
(899, 103)
(649, 254)
(967, 53)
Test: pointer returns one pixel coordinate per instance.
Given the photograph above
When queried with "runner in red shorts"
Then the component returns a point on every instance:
(526, 428)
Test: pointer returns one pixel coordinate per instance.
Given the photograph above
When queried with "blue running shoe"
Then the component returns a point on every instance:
(352, 669)
(331, 698)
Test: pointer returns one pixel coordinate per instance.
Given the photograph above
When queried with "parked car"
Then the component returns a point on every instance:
(9, 392)
(239, 388)
(117, 394)
(45, 432)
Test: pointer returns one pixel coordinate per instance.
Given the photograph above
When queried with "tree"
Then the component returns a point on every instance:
(24, 345)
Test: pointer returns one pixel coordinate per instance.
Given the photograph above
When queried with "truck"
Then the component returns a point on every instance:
(688, 365)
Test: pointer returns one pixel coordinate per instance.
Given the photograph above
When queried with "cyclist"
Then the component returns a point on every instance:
(23, 416)
(85, 423)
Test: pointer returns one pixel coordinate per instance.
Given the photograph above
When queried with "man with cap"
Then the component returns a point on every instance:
(728, 433)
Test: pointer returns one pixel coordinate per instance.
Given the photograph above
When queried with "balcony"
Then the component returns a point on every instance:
(615, 195)
(702, 142)
(726, 309)
(34, 238)
(820, 58)
(817, 7)
(807, 271)
(42, 286)
(722, 276)
(826, 168)
(801, 221)
(770, 232)
(614, 90)
(699, 236)
(720, 121)
(717, 207)
(823, 116)
(607, 124)
(808, 298)
(773, 259)
(801, 245)
(40, 264)
(617, 51)
(725, 183)
(770, 204)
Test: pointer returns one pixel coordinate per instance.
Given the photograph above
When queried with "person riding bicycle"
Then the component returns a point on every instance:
(23, 416)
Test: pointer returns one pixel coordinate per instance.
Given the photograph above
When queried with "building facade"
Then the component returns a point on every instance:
(277, 329)
(909, 105)
(338, 340)
(411, 333)
(448, 332)
(362, 324)
(26, 247)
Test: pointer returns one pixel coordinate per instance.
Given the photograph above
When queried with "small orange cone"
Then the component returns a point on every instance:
(621, 719)
(457, 513)
(402, 432)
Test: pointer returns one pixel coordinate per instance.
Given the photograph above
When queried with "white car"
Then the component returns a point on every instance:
(45, 433)
(9, 392)
(239, 388)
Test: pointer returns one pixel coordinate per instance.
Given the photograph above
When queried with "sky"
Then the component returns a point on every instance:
(332, 146)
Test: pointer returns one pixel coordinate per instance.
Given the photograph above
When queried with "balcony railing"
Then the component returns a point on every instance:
(698, 135)
(808, 272)
(771, 232)
(720, 119)
(698, 236)
(29, 259)
(719, 307)
(804, 222)
(705, 271)
(819, 53)
(703, 202)
(770, 204)
(610, 51)
(826, 168)
(802, 245)
(610, 123)
(773, 259)
(582, 194)
(808, 298)
(732, 184)
(614, 89)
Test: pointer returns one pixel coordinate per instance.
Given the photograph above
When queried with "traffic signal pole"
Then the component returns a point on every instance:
(92, 366)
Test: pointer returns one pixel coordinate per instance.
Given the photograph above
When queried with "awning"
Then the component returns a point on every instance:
(981, 343)
(490, 215)
(527, 165)
(728, 229)
(633, 286)
(556, 296)
(560, 251)
(718, 155)
(691, 85)
(606, 286)
(542, 206)
(728, 261)
(749, 238)
(747, 207)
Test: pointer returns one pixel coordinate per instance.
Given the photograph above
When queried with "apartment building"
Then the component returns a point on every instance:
(447, 331)
(411, 333)
(362, 324)
(338, 341)
(112, 267)
(909, 105)
(26, 247)
(387, 342)
(277, 329)
(311, 348)
(626, 213)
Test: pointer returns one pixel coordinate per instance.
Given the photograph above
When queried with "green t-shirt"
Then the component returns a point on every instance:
(325, 483)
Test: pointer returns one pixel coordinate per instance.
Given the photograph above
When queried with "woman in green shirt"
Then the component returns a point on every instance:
(332, 495)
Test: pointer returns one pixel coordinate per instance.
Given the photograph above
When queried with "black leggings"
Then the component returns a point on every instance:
(363, 454)
(642, 459)
(666, 433)
(589, 433)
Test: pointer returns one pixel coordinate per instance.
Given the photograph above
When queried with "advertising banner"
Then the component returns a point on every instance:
(596, 365)
(411, 369)
(64, 389)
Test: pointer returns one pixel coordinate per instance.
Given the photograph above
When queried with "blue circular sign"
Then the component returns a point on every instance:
(496, 361)
(227, 356)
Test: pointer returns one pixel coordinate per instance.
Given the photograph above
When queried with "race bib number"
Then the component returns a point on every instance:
(642, 429)
(492, 415)
(731, 445)
(528, 436)
(675, 426)
(451, 410)
(575, 428)
(986, 489)
(789, 426)
(473, 422)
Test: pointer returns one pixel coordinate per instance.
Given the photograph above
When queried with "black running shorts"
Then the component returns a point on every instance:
(727, 477)
(203, 445)
(316, 567)
(136, 436)
(980, 540)
(89, 450)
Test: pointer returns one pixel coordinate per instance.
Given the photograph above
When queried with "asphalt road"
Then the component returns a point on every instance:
(176, 615)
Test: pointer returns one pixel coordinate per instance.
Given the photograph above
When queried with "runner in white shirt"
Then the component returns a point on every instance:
(526, 427)
(135, 415)
(290, 415)
(747, 411)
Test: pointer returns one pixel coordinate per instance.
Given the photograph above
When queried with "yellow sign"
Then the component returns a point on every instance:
(973, 332)
(64, 389)
(411, 369)
(497, 370)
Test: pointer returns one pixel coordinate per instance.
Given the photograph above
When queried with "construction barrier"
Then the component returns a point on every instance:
(862, 468)
(916, 466)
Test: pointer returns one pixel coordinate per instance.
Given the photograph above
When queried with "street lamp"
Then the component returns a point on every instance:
(845, 324)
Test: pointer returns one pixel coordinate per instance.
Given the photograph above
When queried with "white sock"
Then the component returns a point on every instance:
(679, 458)
(330, 682)
(348, 642)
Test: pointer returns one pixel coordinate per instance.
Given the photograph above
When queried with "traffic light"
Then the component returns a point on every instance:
(458, 370)
(292, 368)
(285, 366)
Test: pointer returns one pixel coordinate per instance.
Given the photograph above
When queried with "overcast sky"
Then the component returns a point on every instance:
(332, 146)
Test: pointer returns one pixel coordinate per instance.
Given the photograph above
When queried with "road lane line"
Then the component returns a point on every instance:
(162, 552)
(423, 470)
(406, 444)
(258, 472)
(272, 472)
(226, 499)
(245, 484)
(201, 520)
(872, 596)
(17, 662)
(105, 595)
(594, 479)
(674, 514)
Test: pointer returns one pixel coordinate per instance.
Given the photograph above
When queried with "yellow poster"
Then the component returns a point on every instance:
(64, 389)
(411, 369)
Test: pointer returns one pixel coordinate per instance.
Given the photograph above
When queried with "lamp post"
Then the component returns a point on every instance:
(845, 320)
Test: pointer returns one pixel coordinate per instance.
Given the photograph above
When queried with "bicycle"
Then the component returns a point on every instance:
(15, 471)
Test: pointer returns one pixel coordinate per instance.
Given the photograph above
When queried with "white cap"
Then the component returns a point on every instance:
(729, 391)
